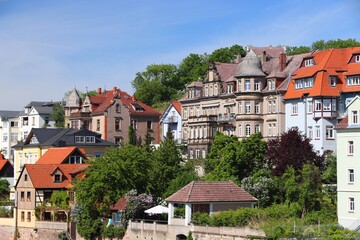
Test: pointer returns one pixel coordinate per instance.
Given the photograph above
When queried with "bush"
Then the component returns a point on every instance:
(112, 232)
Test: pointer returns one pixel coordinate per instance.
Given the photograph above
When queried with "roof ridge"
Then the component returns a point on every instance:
(190, 190)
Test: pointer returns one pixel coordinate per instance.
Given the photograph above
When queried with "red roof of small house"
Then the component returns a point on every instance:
(211, 192)
(119, 205)
(3, 163)
(177, 106)
(41, 175)
(343, 123)
(331, 62)
(106, 99)
(58, 155)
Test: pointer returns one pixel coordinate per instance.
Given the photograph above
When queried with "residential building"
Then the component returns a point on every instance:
(319, 91)
(112, 112)
(36, 184)
(72, 105)
(348, 168)
(9, 132)
(237, 99)
(35, 115)
(171, 121)
(40, 140)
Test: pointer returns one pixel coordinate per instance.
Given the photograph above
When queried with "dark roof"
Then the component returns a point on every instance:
(61, 137)
(119, 205)
(39, 104)
(250, 66)
(44, 110)
(211, 192)
(9, 114)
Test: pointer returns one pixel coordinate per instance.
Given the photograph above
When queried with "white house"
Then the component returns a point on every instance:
(171, 121)
(348, 167)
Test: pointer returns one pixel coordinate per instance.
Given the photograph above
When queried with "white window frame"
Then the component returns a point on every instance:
(310, 132)
(350, 148)
(79, 139)
(240, 131)
(351, 176)
(247, 85)
(294, 109)
(332, 81)
(257, 128)
(317, 132)
(351, 202)
(354, 117)
(240, 107)
(353, 80)
(310, 106)
(248, 130)
(247, 107)
(257, 108)
(357, 58)
(309, 62)
(318, 105)
(330, 132)
(257, 85)
(326, 105)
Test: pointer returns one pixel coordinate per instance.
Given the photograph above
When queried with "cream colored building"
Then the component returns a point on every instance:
(238, 99)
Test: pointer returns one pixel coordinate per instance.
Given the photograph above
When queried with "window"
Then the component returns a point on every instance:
(257, 108)
(25, 177)
(57, 178)
(355, 119)
(240, 131)
(33, 121)
(71, 196)
(14, 124)
(75, 159)
(205, 132)
(79, 139)
(206, 91)
(333, 105)
(75, 124)
(330, 133)
(117, 108)
(133, 124)
(353, 80)
(197, 112)
(191, 153)
(247, 85)
(197, 153)
(270, 130)
(98, 125)
(230, 88)
(351, 204)
(257, 128)
(269, 106)
(333, 81)
(215, 90)
(22, 216)
(309, 62)
(240, 108)
(14, 137)
(247, 107)
(117, 217)
(22, 196)
(271, 84)
(309, 106)
(5, 137)
(317, 132)
(351, 176)
(304, 83)
(350, 148)
(185, 113)
(117, 140)
(326, 105)
(294, 108)
(28, 196)
(357, 58)
(90, 139)
(149, 124)
(257, 85)
(28, 218)
(248, 130)
(47, 195)
(318, 105)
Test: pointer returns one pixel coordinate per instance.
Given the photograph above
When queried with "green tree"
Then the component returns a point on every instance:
(110, 177)
(58, 115)
(297, 50)
(192, 68)
(167, 159)
(339, 43)
(4, 189)
(132, 136)
(227, 54)
(60, 199)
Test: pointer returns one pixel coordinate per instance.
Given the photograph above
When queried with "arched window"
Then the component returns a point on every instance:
(248, 130)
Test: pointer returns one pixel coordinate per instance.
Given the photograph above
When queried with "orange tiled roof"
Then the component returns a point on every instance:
(3, 162)
(40, 174)
(58, 155)
(211, 192)
(331, 62)
(177, 106)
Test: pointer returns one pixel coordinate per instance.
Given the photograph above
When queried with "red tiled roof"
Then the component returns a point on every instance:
(342, 124)
(40, 174)
(119, 205)
(3, 162)
(331, 62)
(211, 192)
(105, 100)
(177, 106)
(58, 155)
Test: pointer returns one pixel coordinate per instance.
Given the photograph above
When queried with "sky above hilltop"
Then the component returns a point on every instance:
(49, 47)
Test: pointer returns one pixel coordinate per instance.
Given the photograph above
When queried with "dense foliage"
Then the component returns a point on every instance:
(58, 115)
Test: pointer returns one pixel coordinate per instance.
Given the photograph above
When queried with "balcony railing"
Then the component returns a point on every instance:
(226, 117)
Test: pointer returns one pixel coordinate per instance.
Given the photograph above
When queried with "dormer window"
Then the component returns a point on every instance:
(137, 107)
(90, 139)
(79, 139)
(357, 58)
(230, 88)
(309, 62)
(353, 80)
(332, 81)
(271, 84)
(304, 83)
(57, 178)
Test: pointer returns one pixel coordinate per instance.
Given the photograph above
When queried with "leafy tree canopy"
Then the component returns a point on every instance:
(58, 115)
(227, 54)
(4, 189)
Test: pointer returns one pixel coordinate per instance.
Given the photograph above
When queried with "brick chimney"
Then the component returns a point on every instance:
(99, 91)
(282, 61)
(263, 57)
(114, 90)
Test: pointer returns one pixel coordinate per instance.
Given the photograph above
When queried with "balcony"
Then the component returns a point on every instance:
(171, 119)
(80, 115)
(226, 117)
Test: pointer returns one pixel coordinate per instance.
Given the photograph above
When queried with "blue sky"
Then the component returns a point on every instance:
(49, 47)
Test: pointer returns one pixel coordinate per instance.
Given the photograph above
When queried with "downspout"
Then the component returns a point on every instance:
(105, 124)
